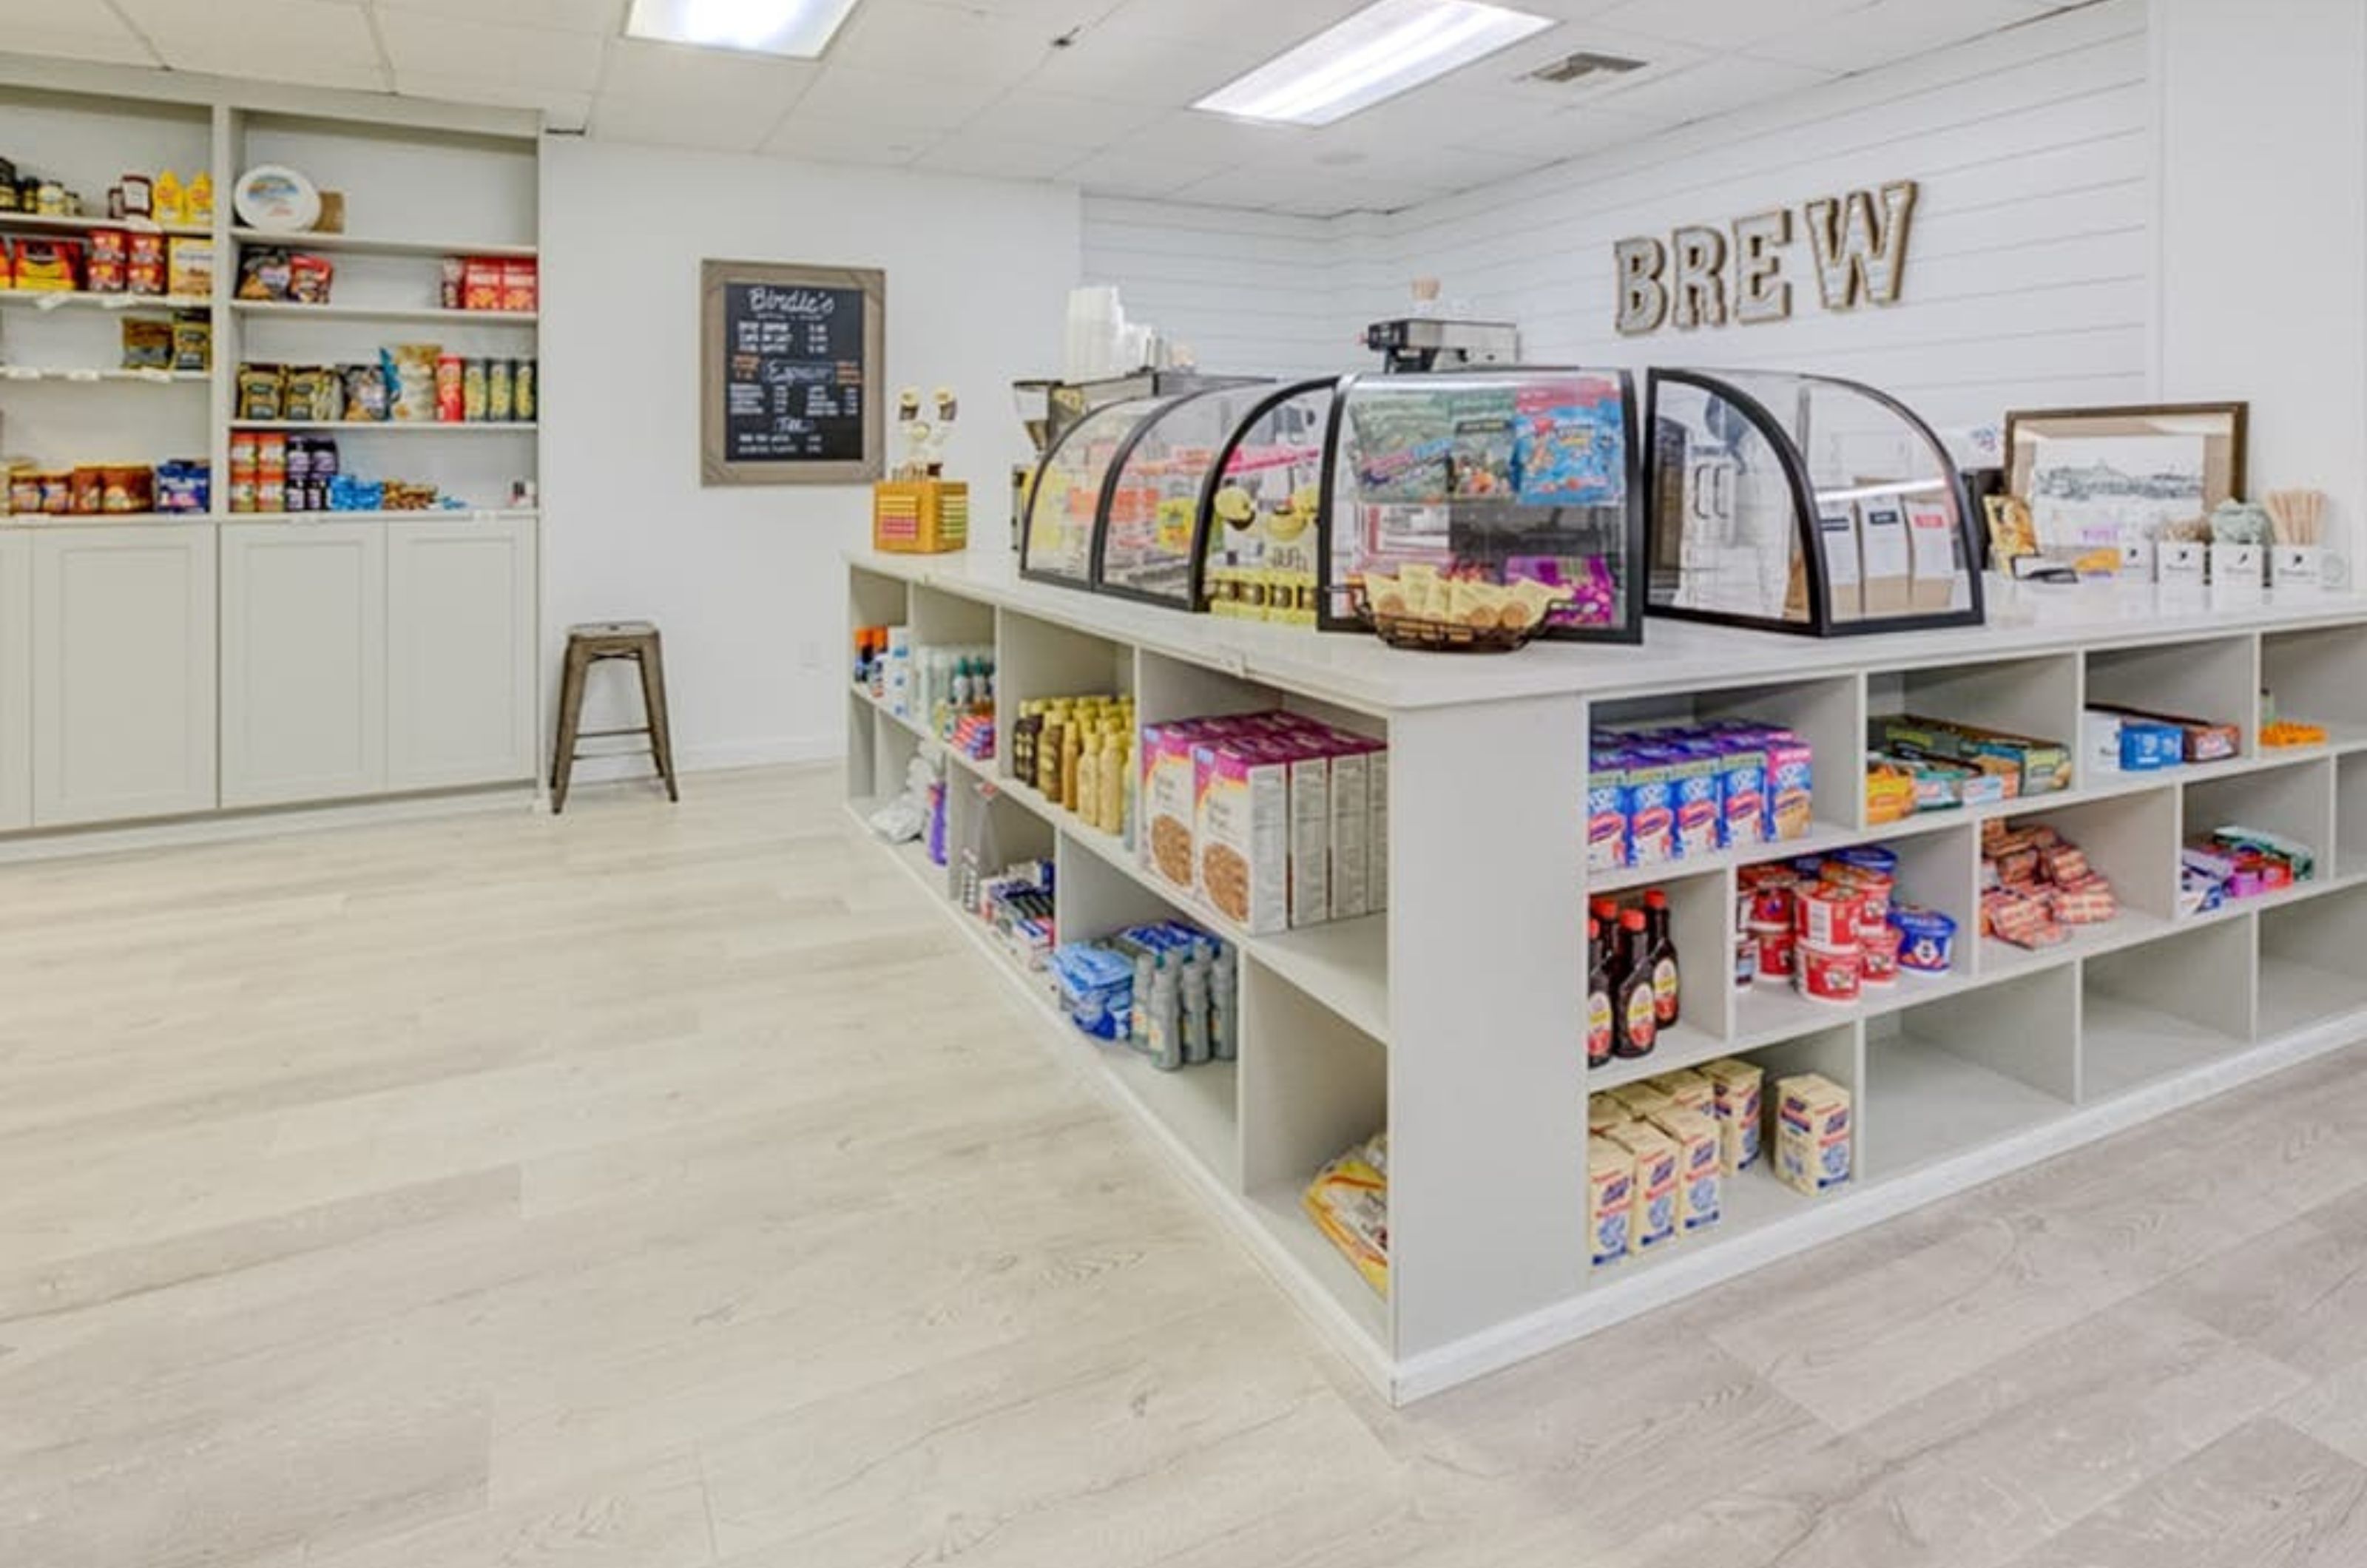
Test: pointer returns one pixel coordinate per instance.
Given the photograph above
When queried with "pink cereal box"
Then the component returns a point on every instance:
(1242, 830)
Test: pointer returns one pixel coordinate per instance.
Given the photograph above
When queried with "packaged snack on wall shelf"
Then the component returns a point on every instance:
(501, 392)
(261, 392)
(184, 486)
(47, 266)
(189, 268)
(167, 197)
(472, 388)
(262, 274)
(107, 263)
(480, 284)
(193, 341)
(454, 270)
(366, 393)
(143, 267)
(412, 381)
(147, 344)
(310, 277)
(521, 285)
(1349, 1202)
(526, 394)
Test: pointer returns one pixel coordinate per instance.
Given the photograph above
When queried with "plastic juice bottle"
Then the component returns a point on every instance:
(1599, 1031)
(1665, 1000)
(1634, 1018)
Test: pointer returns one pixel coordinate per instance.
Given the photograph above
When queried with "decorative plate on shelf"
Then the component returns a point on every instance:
(274, 197)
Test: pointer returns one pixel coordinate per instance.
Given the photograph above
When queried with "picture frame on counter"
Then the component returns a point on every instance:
(2101, 477)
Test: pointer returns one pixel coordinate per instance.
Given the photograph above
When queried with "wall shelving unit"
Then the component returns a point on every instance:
(360, 655)
(1453, 1018)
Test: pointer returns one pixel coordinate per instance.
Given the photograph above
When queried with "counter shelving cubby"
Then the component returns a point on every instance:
(1457, 1022)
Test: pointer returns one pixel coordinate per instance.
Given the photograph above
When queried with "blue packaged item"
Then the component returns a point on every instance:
(1869, 857)
(2145, 745)
(1742, 794)
(1569, 444)
(1096, 987)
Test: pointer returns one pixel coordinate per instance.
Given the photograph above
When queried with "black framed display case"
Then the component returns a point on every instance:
(1064, 504)
(1254, 556)
(1502, 475)
(1804, 503)
(1158, 493)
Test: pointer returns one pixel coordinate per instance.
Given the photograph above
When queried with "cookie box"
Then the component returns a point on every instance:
(1610, 1199)
(1653, 1216)
(1813, 1131)
(1699, 1169)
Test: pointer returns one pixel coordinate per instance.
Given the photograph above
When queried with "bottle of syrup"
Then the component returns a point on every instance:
(1599, 1031)
(1663, 956)
(1634, 1019)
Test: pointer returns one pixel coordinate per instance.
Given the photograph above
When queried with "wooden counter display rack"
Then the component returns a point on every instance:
(1452, 1020)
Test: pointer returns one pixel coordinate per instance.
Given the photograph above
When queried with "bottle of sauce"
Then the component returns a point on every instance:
(1663, 954)
(1599, 1031)
(1634, 1019)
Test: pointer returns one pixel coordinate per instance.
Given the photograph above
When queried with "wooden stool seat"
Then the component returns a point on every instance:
(587, 645)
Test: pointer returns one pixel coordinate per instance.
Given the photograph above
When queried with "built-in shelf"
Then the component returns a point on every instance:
(57, 375)
(82, 299)
(38, 223)
(378, 245)
(392, 427)
(96, 519)
(410, 514)
(287, 309)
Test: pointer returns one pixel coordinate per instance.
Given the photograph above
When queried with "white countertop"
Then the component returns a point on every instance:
(1361, 673)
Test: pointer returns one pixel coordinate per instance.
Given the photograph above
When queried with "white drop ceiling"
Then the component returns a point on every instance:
(982, 88)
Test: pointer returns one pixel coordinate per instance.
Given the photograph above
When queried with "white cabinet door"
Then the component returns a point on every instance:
(461, 654)
(303, 661)
(123, 673)
(15, 682)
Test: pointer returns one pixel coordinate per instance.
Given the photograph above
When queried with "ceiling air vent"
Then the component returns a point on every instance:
(1583, 65)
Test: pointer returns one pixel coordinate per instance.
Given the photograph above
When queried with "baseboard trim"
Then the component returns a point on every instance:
(244, 823)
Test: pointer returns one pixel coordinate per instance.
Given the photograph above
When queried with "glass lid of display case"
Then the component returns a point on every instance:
(1492, 479)
(1064, 504)
(1806, 503)
(1257, 553)
(1154, 504)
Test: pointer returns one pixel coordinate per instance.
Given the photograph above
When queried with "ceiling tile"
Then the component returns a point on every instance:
(696, 81)
(1144, 174)
(888, 102)
(1118, 58)
(76, 31)
(318, 42)
(1569, 134)
(1728, 24)
(563, 111)
(524, 57)
(558, 15)
(1252, 29)
(1889, 30)
(917, 38)
(730, 127)
(1711, 86)
(1314, 195)
(964, 152)
(1030, 114)
(835, 139)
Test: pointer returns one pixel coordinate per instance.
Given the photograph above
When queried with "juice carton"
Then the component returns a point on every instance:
(1698, 1167)
(1610, 1200)
(1737, 1087)
(1812, 1133)
(1654, 1219)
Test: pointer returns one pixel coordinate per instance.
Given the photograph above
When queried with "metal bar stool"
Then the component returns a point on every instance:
(587, 645)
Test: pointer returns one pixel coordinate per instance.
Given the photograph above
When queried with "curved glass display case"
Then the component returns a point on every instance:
(1147, 544)
(1259, 530)
(1064, 505)
(1804, 503)
(1502, 477)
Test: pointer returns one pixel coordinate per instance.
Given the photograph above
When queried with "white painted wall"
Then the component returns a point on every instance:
(743, 581)
(2264, 230)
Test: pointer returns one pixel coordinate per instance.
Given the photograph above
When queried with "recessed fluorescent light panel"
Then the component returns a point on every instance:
(1383, 49)
(799, 29)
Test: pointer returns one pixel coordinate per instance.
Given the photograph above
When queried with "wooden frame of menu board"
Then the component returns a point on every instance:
(765, 331)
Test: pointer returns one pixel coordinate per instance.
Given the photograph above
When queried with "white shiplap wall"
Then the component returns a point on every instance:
(1252, 292)
(2029, 282)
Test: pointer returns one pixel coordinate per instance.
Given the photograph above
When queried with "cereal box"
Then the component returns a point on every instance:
(1167, 805)
(1310, 833)
(1242, 830)
(1350, 802)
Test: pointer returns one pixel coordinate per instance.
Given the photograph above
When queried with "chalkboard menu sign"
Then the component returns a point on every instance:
(789, 373)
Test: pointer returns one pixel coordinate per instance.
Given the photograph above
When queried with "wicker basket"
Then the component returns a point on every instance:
(1438, 636)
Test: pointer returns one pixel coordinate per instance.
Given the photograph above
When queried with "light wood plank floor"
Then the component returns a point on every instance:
(667, 1187)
